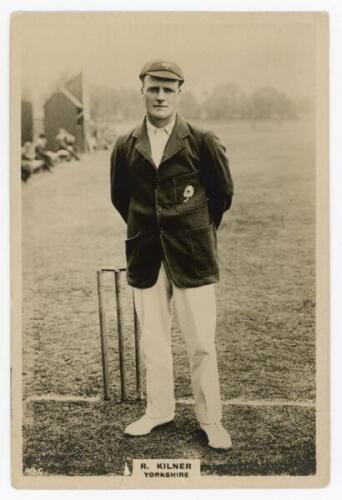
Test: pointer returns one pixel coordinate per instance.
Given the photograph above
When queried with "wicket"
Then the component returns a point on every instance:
(121, 341)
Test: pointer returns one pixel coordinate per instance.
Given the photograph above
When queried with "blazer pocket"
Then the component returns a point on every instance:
(132, 239)
(132, 246)
(204, 250)
(189, 194)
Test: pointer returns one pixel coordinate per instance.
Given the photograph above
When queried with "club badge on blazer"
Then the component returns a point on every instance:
(188, 193)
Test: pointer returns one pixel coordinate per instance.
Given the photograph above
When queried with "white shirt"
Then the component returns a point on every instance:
(158, 138)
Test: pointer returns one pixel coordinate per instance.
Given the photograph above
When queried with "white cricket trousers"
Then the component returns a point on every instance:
(196, 314)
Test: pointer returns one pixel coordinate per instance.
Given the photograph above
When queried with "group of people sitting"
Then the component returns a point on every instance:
(35, 156)
(66, 145)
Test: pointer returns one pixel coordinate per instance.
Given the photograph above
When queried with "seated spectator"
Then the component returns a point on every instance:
(62, 151)
(61, 139)
(29, 163)
(63, 155)
(70, 140)
(43, 154)
(66, 145)
(27, 151)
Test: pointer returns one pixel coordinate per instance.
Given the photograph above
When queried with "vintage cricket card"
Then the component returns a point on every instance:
(169, 251)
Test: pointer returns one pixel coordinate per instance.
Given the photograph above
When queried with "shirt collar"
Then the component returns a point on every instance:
(167, 129)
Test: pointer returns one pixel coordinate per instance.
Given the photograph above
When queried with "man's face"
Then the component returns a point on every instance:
(161, 97)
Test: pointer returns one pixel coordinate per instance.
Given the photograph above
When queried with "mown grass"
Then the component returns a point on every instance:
(87, 439)
(266, 307)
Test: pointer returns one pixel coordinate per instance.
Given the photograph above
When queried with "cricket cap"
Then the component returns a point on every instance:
(162, 69)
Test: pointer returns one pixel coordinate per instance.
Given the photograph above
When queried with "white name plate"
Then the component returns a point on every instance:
(163, 468)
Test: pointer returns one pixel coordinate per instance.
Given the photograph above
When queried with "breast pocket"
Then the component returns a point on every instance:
(189, 194)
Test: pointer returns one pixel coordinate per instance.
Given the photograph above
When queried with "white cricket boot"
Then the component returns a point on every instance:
(218, 437)
(145, 424)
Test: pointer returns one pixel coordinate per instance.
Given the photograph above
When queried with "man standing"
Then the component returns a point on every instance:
(171, 183)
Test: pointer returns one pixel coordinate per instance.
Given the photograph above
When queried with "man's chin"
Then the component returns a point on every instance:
(161, 114)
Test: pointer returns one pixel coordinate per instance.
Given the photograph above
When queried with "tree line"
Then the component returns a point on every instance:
(224, 102)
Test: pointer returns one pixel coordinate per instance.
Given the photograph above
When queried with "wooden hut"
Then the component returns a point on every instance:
(66, 108)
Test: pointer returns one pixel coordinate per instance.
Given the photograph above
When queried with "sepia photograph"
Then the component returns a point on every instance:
(169, 249)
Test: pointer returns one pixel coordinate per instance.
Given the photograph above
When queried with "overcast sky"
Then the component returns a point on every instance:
(252, 51)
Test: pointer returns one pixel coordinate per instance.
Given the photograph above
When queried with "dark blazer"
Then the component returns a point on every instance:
(172, 212)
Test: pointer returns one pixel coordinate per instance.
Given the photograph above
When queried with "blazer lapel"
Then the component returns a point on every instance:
(143, 143)
(175, 142)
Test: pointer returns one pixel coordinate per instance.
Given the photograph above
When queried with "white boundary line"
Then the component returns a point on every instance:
(227, 402)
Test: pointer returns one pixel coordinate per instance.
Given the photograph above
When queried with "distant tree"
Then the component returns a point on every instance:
(189, 106)
(224, 102)
(227, 101)
(107, 103)
(264, 101)
(268, 102)
(130, 103)
(246, 108)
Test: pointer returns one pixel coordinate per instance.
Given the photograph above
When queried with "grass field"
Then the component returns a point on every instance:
(266, 316)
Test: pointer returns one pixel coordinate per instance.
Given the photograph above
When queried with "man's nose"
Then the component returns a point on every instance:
(161, 95)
